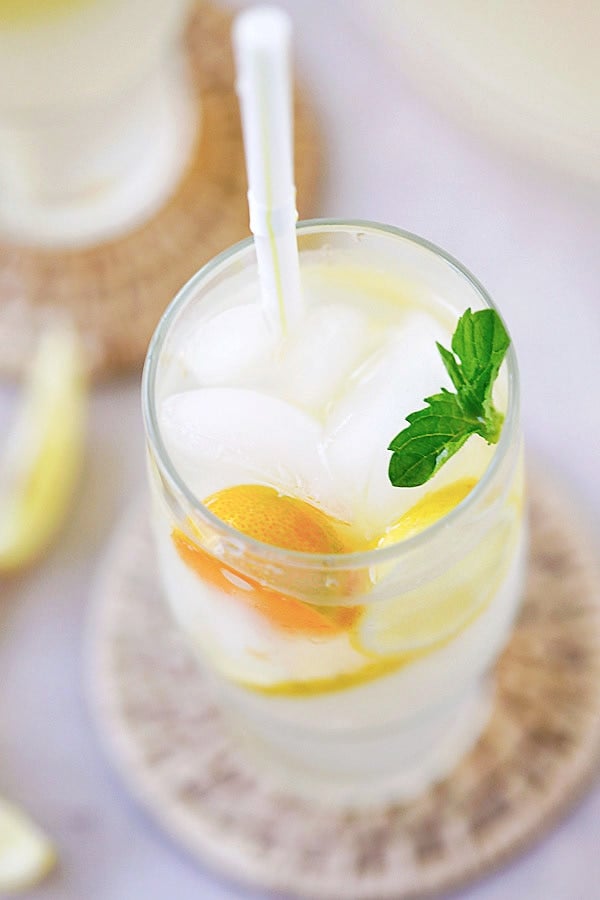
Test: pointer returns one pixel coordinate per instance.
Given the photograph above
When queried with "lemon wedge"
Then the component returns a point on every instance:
(26, 855)
(42, 455)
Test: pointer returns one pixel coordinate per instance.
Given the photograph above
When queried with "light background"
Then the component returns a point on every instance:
(532, 236)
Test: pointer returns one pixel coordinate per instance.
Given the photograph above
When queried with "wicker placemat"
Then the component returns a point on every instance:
(538, 754)
(116, 291)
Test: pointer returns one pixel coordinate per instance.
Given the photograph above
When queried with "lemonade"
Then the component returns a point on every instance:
(348, 626)
(96, 115)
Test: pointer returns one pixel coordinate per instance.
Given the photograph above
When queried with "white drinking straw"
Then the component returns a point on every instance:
(261, 39)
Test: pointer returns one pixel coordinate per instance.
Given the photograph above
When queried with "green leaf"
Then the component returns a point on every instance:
(436, 433)
(452, 367)
(480, 342)
(442, 404)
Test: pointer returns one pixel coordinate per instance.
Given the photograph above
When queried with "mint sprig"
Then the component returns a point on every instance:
(436, 433)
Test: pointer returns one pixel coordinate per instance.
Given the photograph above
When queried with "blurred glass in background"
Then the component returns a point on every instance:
(96, 115)
(525, 71)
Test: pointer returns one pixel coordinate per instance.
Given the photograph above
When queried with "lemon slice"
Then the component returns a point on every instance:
(431, 614)
(428, 510)
(42, 456)
(421, 619)
(26, 855)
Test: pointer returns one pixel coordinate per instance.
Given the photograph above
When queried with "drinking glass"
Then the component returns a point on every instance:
(97, 118)
(438, 606)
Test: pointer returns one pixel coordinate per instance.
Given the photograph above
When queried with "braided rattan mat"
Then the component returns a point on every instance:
(116, 291)
(538, 754)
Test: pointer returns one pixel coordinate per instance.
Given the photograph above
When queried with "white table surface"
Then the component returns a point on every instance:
(533, 239)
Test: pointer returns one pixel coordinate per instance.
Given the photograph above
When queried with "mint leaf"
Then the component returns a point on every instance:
(452, 367)
(433, 436)
(436, 433)
(480, 341)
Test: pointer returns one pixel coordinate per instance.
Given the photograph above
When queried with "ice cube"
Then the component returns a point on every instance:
(325, 348)
(392, 383)
(226, 346)
(222, 436)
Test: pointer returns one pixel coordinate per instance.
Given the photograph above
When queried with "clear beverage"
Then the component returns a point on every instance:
(96, 115)
(348, 626)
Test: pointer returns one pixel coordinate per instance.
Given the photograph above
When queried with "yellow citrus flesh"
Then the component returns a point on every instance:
(26, 855)
(388, 634)
(41, 458)
(265, 515)
(429, 509)
(423, 619)
(431, 614)
(396, 633)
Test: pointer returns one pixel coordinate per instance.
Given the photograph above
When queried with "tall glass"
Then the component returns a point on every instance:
(96, 115)
(387, 724)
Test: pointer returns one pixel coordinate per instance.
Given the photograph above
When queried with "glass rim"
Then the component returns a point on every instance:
(281, 555)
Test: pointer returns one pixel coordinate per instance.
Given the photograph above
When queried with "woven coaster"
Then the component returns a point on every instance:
(539, 752)
(116, 291)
